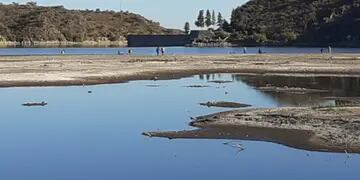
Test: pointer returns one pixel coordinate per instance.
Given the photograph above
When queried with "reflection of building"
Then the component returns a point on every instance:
(166, 40)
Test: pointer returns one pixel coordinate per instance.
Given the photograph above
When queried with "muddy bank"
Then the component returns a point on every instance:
(328, 129)
(345, 101)
(290, 90)
(224, 104)
(89, 70)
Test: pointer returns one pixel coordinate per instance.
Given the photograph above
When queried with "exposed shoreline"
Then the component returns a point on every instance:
(24, 71)
(326, 129)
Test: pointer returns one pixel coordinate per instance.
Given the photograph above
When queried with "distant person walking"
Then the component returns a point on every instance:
(162, 51)
(62, 52)
(330, 50)
(158, 51)
(245, 50)
(129, 51)
(322, 51)
(260, 51)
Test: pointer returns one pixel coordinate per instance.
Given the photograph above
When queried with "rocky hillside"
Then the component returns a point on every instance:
(297, 22)
(36, 23)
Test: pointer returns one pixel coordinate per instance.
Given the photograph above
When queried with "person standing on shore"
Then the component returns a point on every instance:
(260, 51)
(158, 51)
(129, 51)
(330, 50)
(245, 50)
(162, 51)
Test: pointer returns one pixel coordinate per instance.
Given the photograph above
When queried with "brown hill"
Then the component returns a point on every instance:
(37, 23)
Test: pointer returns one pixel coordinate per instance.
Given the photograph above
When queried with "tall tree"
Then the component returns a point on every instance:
(187, 27)
(213, 18)
(208, 18)
(233, 16)
(226, 26)
(200, 22)
(220, 20)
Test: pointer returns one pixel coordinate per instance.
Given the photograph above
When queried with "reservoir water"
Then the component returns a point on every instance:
(169, 50)
(92, 136)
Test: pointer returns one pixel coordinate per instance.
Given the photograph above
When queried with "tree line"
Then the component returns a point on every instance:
(206, 19)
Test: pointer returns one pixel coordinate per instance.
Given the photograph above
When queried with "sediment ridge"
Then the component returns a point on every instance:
(59, 70)
(325, 129)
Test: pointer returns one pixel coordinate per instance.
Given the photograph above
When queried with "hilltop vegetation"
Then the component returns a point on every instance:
(37, 23)
(297, 22)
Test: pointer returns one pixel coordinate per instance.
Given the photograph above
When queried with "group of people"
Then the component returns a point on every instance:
(160, 50)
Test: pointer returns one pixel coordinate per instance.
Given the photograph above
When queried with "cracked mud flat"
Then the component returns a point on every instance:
(326, 129)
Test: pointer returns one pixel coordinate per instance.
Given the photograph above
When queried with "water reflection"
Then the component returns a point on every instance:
(98, 136)
(333, 86)
(294, 91)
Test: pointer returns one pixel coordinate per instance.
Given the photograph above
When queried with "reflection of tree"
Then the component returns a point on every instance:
(337, 86)
(208, 77)
(201, 77)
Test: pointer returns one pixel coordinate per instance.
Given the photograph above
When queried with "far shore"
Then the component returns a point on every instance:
(20, 71)
(62, 44)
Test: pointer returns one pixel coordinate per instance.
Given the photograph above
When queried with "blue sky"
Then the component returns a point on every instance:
(170, 13)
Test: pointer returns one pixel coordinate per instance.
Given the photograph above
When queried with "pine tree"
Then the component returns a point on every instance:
(226, 26)
(208, 18)
(213, 18)
(220, 20)
(200, 20)
(187, 27)
(233, 16)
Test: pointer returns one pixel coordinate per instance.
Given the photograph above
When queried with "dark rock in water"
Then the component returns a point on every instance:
(89, 92)
(197, 86)
(220, 82)
(155, 78)
(225, 104)
(36, 104)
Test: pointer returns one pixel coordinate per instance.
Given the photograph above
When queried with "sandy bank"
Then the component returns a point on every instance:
(78, 70)
(334, 129)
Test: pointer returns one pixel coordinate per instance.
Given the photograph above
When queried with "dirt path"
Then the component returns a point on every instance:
(78, 70)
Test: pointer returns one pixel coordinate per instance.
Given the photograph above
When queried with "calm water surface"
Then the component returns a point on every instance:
(169, 50)
(81, 136)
